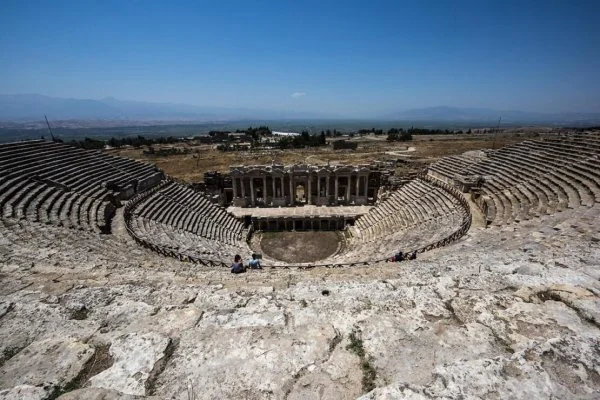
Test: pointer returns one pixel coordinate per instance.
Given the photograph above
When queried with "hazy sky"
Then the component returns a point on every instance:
(350, 58)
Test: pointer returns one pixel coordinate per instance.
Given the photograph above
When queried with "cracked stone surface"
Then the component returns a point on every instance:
(25, 392)
(101, 394)
(47, 365)
(135, 356)
(509, 312)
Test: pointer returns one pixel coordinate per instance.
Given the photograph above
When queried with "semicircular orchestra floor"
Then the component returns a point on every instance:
(300, 247)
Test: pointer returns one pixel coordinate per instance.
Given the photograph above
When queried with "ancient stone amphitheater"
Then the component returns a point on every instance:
(115, 286)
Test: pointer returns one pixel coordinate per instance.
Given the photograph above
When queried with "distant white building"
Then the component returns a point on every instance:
(285, 133)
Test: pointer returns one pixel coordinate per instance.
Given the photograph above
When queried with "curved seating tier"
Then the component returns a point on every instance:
(55, 245)
(532, 178)
(63, 185)
(175, 220)
(421, 215)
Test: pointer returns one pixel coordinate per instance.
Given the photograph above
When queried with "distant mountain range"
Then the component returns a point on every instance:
(33, 107)
(488, 116)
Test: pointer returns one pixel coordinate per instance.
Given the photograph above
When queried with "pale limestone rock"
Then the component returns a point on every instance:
(51, 363)
(254, 313)
(169, 323)
(25, 392)
(478, 319)
(101, 394)
(135, 356)
(259, 362)
(557, 368)
(338, 377)
(396, 391)
(31, 319)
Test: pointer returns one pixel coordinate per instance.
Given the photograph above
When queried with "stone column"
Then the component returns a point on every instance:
(274, 192)
(318, 188)
(264, 189)
(242, 179)
(234, 184)
(309, 189)
(252, 193)
(348, 188)
(366, 185)
(337, 183)
(357, 185)
(281, 189)
(291, 189)
(327, 187)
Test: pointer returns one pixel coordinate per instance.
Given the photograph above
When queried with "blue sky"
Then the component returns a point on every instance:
(346, 58)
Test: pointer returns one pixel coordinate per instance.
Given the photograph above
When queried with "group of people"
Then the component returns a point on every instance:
(238, 266)
(401, 256)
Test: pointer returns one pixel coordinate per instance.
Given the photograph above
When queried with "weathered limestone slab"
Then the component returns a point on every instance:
(502, 313)
(255, 312)
(259, 362)
(135, 356)
(558, 368)
(25, 392)
(33, 317)
(101, 394)
(51, 364)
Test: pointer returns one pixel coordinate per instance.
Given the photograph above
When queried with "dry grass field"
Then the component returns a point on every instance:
(191, 167)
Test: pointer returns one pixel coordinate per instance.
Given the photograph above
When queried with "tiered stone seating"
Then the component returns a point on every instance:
(63, 185)
(417, 215)
(39, 243)
(449, 166)
(535, 177)
(178, 219)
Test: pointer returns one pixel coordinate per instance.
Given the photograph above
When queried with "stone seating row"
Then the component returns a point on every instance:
(417, 201)
(25, 154)
(40, 202)
(564, 180)
(75, 168)
(183, 241)
(451, 165)
(31, 153)
(183, 208)
(67, 245)
(62, 185)
(422, 214)
(418, 235)
(195, 201)
(538, 177)
(161, 220)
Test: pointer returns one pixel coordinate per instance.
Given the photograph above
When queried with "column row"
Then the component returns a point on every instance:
(317, 188)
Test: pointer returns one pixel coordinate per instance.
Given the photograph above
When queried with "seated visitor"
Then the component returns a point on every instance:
(254, 262)
(397, 257)
(237, 267)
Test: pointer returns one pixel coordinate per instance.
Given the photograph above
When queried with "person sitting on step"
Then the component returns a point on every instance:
(254, 262)
(237, 267)
(399, 256)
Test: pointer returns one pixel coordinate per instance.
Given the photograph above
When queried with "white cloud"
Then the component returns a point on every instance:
(298, 94)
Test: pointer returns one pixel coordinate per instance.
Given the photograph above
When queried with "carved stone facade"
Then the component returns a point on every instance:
(289, 185)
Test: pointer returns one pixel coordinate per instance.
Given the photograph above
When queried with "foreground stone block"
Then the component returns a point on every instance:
(100, 394)
(25, 392)
(135, 356)
(49, 364)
